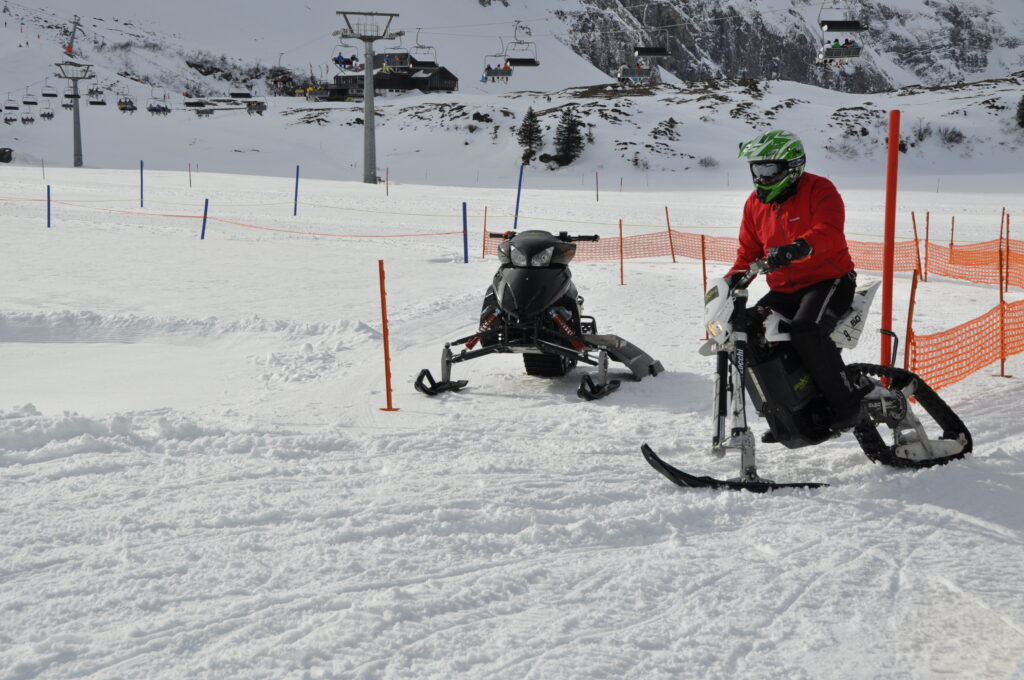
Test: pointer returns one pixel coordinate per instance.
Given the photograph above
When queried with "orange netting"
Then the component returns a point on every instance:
(944, 358)
(866, 255)
(975, 262)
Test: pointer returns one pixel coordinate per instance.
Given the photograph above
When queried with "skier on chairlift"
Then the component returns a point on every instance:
(796, 221)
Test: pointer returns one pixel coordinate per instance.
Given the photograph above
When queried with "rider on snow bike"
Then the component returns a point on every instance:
(795, 220)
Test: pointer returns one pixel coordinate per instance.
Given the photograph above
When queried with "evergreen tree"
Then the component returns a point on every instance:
(529, 135)
(1020, 113)
(568, 137)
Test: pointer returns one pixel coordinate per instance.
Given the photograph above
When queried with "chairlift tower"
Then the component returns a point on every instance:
(74, 72)
(365, 26)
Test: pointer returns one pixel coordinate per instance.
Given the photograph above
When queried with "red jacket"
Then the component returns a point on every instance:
(814, 213)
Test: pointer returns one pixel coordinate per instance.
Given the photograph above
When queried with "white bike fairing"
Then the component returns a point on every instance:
(847, 331)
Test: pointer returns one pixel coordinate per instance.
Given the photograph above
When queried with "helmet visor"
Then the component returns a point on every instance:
(767, 173)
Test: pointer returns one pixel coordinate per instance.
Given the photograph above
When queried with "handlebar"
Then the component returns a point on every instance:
(753, 269)
(562, 236)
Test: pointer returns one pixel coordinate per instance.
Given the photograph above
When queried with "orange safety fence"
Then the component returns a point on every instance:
(975, 262)
(714, 249)
(947, 357)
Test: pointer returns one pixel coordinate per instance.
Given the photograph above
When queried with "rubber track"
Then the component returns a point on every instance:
(875, 447)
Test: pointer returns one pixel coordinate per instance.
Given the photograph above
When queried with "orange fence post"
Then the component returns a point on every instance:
(622, 257)
(704, 272)
(1002, 308)
(910, 324)
(387, 348)
(917, 245)
(927, 229)
(889, 250)
(671, 246)
(1009, 260)
(483, 244)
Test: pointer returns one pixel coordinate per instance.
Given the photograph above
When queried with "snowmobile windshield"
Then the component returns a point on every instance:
(536, 248)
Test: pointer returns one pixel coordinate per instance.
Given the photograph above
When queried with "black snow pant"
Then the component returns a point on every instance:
(814, 312)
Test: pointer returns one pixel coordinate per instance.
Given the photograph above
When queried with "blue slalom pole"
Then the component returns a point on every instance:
(47, 206)
(519, 192)
(141, 186)
(206, 209)
(465, 235)
(296, 210)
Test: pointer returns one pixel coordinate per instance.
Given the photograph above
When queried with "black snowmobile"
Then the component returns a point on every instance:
(532, 308)
(767, 369)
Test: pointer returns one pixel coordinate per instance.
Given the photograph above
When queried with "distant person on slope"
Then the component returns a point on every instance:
(795, 220)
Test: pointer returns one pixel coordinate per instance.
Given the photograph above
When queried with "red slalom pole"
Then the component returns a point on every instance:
(1006, 286)
(704, 273)
(622, 257)
(927, 235)
(889, 247)
(671, 246)
(387, 347)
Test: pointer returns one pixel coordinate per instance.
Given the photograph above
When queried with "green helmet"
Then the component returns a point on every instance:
(777, 162)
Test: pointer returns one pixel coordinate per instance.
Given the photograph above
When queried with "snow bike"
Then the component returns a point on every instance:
(767, 369)
(532, 308)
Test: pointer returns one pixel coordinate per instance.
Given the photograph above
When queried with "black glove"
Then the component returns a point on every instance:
(733, 279)
(782, 256)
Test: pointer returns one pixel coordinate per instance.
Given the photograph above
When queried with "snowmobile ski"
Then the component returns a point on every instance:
(426, 384)
(684, 479)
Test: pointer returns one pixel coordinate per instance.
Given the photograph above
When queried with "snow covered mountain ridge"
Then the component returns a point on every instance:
(687, 128)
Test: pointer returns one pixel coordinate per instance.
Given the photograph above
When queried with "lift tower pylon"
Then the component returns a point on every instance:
(365, 26)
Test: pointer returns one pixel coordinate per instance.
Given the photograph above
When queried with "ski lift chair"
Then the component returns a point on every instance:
(29, 99)
(500, 60)
(11, 104)
(27, 118)
(69, 93)
(422, 56)
(47, 112)
(97, 100)
(10, 120)
(654, 48)
(836, 16)
(195, 103)
(67, 104)
(519, 52)
(49, 92)
(498, 71)
(396, 56)
(240, 93)
(343, 51)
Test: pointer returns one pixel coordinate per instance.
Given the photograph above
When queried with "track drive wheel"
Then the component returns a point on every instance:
(547, 365)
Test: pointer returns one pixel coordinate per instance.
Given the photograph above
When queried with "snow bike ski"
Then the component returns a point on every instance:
(767, 369)
(532, 308)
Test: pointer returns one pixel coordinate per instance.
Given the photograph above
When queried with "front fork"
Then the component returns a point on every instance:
(731, 381)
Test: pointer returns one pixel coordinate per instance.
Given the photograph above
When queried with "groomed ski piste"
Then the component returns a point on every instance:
(196, 478)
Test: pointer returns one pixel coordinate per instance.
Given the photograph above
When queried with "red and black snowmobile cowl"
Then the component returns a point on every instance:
(532, 308)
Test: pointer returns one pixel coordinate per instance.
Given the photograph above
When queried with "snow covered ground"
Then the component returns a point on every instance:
(196, 479)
